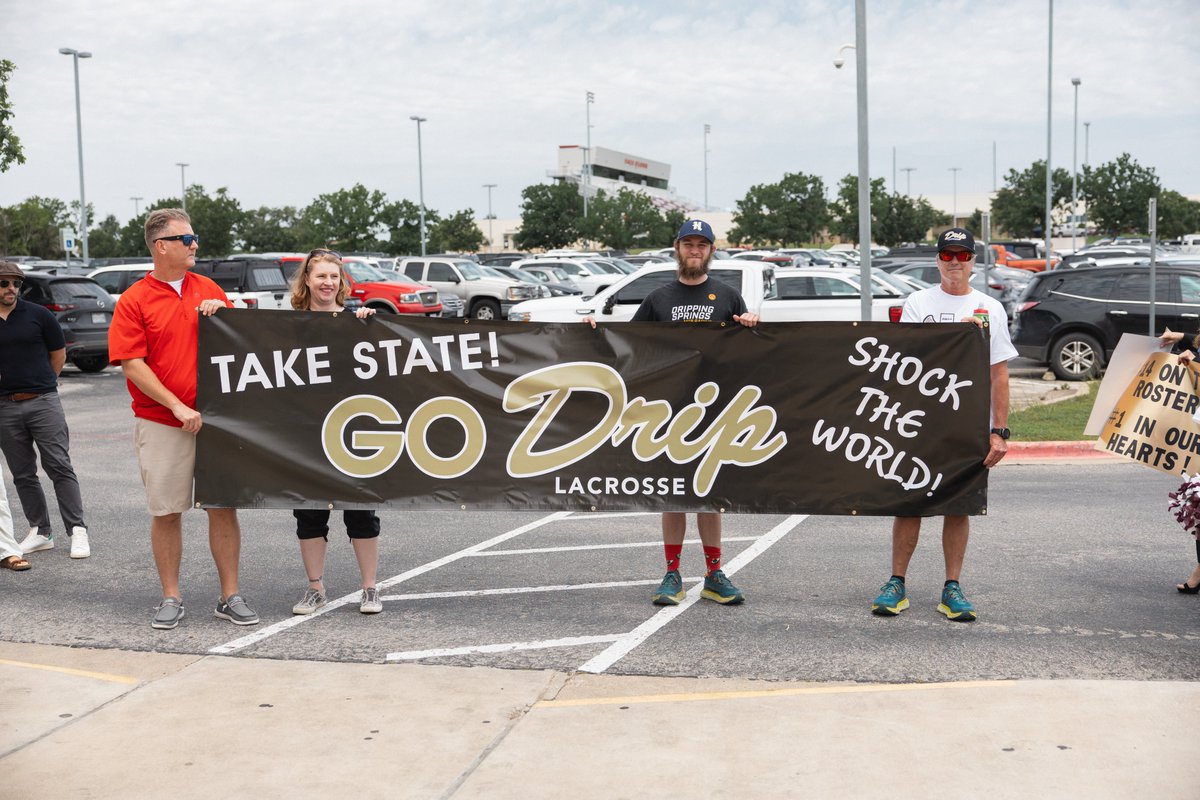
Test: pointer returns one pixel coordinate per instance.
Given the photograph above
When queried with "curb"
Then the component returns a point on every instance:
(1080, 449)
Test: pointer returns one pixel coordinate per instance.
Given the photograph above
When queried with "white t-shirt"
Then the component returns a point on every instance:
(935, 305)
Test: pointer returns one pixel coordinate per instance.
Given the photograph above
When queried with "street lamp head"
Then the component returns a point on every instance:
(839, 62)
(85, 55)
(1075, 81)
(67, 51)
(415, 118)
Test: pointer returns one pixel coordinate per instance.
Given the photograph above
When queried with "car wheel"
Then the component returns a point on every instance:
(90, 363)
(486, 309)
(1076, 357)
(381, 308)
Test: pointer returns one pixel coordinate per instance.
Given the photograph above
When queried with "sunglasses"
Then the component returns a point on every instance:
(16, 283)
(956, 255)
(321, 251)
(188, 239)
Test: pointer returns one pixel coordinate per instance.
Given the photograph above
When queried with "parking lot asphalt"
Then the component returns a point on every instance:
(107, 723)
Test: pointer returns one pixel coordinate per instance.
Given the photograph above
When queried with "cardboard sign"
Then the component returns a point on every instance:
(1154, 421)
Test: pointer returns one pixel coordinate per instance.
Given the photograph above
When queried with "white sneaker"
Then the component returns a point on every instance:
(80, 548)
(370, 602)
(35, 542)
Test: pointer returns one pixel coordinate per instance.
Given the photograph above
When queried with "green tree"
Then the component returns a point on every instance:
(215, 219)
(457, 233)
(551, 216)
(31, 227)
(845, 208)
(1177, 215)
(270, 230)
(625, 219)
(900, 218)
(404, 227)
(1020, 205)
(104, 240)
(133, 232)
(789, 213)
(11, 151)
(1118, 194)
(348, 220)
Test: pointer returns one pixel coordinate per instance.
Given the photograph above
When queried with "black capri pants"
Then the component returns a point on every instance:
(313, 523)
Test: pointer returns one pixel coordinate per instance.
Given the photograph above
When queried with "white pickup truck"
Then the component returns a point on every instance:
(755, 281)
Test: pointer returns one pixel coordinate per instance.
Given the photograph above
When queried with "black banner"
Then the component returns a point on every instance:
(315, 410)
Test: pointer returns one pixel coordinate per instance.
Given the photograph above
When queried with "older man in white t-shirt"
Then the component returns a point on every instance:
(953, 300)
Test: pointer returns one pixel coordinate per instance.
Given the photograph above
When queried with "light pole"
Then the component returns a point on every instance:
(1049, 109)
(954, 207)
(707, 130)
(1074, 219)
(136, 213)
(182, 185)
(864, 174)
(587, 154)
(83, 218)
(491, 241)
(908, 171)
(420, 179)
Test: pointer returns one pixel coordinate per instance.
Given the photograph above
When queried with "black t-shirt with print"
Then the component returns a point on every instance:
(711, 301)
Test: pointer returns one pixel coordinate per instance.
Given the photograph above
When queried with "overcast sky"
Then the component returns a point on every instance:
(282, 100)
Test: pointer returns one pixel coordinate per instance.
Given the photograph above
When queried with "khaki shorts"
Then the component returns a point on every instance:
(166, 459)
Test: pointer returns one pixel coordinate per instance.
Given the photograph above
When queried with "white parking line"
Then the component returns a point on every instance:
(623, 646)
(563, 587)
(507, 647)
(597, 516)
(570, 548)
(290, 622)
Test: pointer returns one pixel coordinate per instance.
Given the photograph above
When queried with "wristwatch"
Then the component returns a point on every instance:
(1003, 433)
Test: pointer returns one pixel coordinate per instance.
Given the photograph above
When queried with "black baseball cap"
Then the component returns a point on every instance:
(956, 237)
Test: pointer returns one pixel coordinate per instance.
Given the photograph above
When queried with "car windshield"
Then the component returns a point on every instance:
(74, 291)
(492, 272)
(470, 270)
(528, 277)
(364, 273)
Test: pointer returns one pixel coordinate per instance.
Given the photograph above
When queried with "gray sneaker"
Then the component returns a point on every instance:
(236, 611)
(312, 600)
(167, 614)
(370, 603)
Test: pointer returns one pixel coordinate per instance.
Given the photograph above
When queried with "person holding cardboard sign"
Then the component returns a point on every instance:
(953, 300)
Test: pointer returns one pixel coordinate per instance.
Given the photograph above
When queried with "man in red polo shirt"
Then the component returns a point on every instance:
(154, 340)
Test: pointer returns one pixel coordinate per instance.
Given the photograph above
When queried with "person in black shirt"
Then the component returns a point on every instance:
(694, 298)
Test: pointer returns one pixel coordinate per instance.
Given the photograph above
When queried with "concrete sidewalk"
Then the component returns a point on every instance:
(117, 724)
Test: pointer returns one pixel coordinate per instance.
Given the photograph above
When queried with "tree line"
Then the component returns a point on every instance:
(350, 220)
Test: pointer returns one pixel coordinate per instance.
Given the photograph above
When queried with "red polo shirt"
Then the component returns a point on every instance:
(153, 322)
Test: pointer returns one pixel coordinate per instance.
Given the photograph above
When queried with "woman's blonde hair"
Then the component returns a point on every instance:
(301, 294)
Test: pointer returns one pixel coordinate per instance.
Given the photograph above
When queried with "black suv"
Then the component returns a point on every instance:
(1072, 319)
(84, 310)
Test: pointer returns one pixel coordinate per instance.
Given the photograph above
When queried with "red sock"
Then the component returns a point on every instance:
(673, 552)
(712, 559)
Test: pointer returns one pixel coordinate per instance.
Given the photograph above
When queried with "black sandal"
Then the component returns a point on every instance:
(1187, 588)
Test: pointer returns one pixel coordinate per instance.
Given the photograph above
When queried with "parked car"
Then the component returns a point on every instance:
(387, 293)
(588, 275)
(1073, 319)
(116, 279)
(485, 297)
(248, 282)
(543, 279)
(83, 309)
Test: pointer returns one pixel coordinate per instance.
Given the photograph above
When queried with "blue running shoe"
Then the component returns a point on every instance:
(892, 599)
(718, 589)
(955, 604)
(670, 592)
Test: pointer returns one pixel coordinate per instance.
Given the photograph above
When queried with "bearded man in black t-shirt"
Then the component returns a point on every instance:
(694, 298)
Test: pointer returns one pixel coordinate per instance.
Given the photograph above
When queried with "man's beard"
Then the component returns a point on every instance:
(691, 273)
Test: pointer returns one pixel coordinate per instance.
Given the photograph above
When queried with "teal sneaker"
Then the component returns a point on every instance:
(718, 589)
(955, 604)
(670, 592)
(892, 599)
